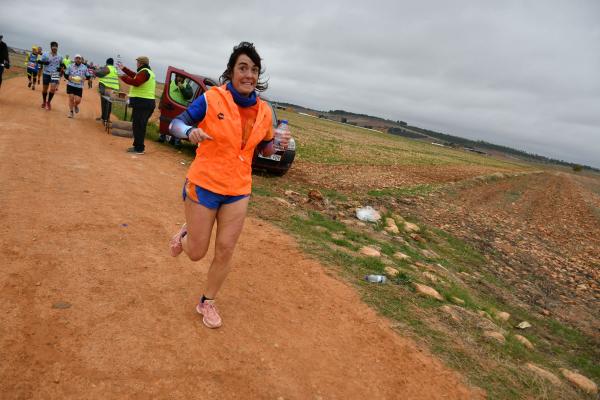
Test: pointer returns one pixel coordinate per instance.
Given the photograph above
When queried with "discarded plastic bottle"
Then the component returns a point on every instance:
(375, 278)
(281, 130)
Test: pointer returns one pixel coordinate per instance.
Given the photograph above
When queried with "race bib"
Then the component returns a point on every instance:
(31, 65)
(55, 76)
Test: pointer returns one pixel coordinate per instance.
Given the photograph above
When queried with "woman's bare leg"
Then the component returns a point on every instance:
(200, 221)
(230, 221)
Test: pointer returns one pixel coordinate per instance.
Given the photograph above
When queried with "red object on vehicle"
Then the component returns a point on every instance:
(170, 108)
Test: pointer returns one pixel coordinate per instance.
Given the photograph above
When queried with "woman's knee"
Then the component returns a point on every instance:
(196, 252)
(224, 250)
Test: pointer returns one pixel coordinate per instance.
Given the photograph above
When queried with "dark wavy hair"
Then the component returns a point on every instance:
(248, 49)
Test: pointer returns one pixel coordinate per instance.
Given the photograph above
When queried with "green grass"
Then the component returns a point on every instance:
(493, 367)
(327, 142)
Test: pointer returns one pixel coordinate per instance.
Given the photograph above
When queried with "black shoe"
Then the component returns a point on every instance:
(133, 150)
(161, 139)
(29, 84)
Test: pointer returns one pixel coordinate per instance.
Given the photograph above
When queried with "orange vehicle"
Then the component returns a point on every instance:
(172, 103)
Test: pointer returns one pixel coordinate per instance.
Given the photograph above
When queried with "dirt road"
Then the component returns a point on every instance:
(94, 307)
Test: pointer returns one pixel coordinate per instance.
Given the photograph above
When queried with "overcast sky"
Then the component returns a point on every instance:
(524, 74)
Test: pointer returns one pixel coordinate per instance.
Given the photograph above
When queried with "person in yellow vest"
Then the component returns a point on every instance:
(141, 99)
(228, 123)
(180, 92)
(31, 63)
(108, 81)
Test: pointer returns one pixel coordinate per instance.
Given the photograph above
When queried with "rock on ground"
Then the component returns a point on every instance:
(524, 341)
(582, 382)
(429, 253)
(283, 202)
(451, 312)
(497, 336)
(401, 256)
(457, 300)
(410, 227)
(542, 373)
(391, 272)
(430, 276)
(503, 316)
(370, 251)
(428, 291)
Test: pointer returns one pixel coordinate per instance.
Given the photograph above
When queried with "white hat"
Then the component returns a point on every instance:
(77, 55)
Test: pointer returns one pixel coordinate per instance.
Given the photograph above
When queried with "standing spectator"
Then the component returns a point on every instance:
(4, 61)
(108, 81)
(141, 99)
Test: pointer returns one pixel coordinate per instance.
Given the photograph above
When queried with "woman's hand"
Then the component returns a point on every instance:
(284, 140)
(197, 135)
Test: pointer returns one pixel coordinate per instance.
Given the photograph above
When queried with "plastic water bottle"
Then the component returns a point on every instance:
(281, 129)
(375, 278)
(119, 65)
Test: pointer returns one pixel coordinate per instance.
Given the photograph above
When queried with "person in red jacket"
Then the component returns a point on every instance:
(228, 123)
(141, 99)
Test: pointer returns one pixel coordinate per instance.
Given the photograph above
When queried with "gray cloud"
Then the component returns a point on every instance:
(517, 73)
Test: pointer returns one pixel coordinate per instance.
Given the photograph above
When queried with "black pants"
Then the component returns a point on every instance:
(142, 110)
(105, 105)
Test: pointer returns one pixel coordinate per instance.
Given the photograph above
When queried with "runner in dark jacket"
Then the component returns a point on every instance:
(4, 61)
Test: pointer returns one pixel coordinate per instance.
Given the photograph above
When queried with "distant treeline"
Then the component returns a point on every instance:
(450, 139)
(403, 132)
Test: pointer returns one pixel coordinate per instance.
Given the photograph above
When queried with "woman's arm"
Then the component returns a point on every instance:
(266, 148)
(187, 121)
(137, 80)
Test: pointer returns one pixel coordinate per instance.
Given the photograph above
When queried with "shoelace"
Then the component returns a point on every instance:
(211, 309)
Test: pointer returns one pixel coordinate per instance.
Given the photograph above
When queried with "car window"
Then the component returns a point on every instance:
(182, 90)
(274, 115)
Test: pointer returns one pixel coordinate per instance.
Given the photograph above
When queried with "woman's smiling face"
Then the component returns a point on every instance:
(245, 75)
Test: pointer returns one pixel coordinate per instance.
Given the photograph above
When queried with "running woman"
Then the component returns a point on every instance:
(31, 60)
(228, 123)
(54, 66)
(75, 75)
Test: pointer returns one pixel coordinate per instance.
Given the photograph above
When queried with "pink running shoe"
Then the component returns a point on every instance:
(175, 244)
(210, 314)
(48, 106)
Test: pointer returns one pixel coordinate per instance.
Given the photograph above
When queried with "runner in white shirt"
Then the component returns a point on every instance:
(53, 67)
(75, 74)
